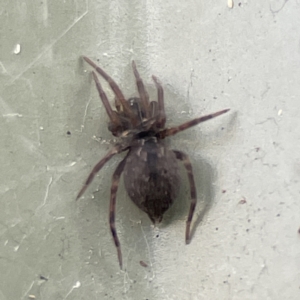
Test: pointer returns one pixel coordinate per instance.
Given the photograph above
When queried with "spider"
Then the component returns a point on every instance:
(150, 168)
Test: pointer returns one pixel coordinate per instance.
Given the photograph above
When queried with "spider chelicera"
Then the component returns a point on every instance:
(150, 168)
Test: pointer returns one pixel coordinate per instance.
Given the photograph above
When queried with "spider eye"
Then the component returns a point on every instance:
(132, 101)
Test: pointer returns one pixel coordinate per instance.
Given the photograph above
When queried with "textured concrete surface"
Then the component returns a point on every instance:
(246, 243)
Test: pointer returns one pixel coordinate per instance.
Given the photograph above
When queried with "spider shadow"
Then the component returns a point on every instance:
(204, 179)
(206, 193)
(204, 175)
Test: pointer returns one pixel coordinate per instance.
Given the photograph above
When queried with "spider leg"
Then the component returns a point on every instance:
(112, 208)
(161, 106)
(117, 104)
(98, 167)
(188, 166)
(112, 114)
(153, 108)
(142, 91)
(118, 93)
(171, 131)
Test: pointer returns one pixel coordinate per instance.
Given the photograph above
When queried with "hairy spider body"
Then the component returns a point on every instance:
(151, 177)
(150, 168)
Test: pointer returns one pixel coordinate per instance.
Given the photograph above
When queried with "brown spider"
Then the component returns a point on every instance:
(150, 168)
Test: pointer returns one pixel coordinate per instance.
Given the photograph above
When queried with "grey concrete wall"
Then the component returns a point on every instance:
(246, 243)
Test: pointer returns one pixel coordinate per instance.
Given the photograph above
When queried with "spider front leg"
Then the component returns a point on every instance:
(161, 121)
(142, 92)
(112, 208)
(117, 149)
(188, 166)
(171, 131)
(112, 114)
(115, 88)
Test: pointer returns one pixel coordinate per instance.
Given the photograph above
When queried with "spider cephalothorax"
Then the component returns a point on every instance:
(150, 168)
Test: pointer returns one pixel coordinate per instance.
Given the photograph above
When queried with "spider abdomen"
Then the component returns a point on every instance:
(151, 177)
